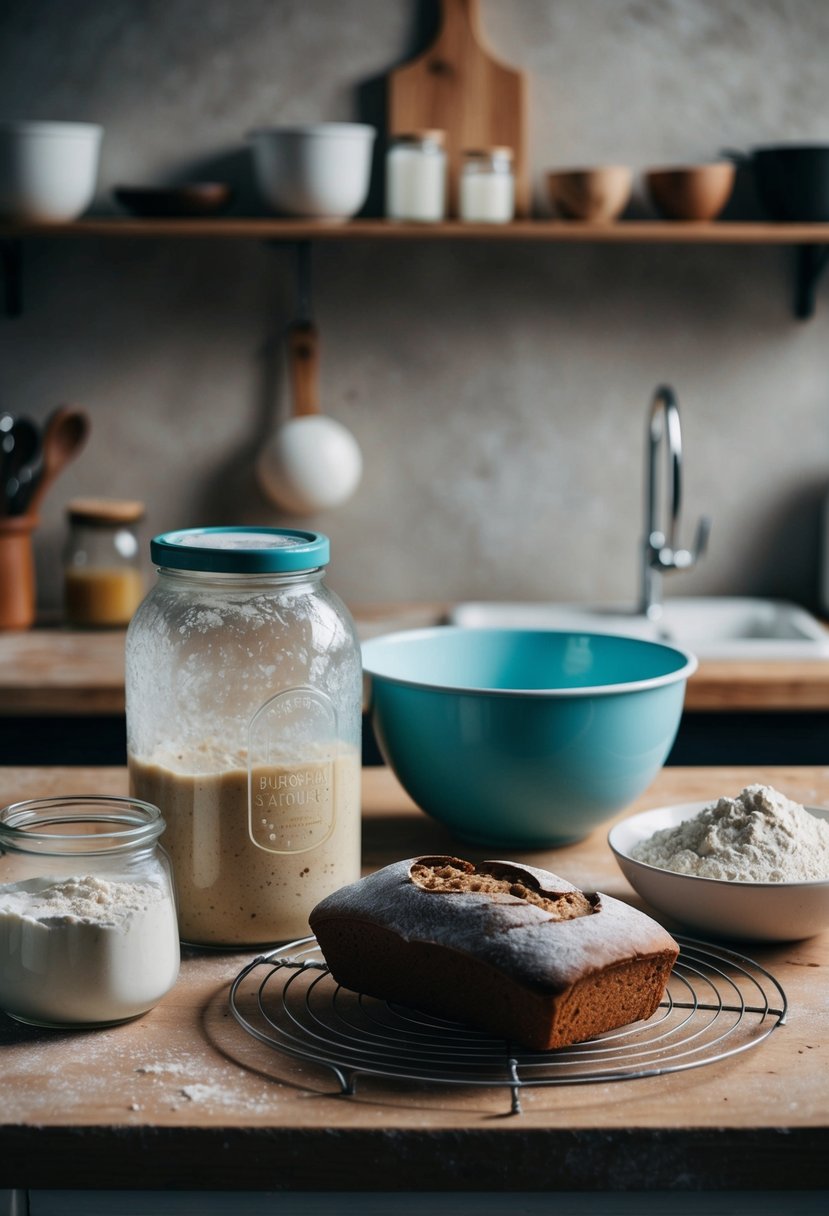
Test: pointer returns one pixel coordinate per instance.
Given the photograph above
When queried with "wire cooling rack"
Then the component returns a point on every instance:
(718, 1003)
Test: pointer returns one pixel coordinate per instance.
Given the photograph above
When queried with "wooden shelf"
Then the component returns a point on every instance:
(261, 228)
(811, 241)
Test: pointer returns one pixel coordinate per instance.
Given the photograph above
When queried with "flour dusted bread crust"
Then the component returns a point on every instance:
(509, 948)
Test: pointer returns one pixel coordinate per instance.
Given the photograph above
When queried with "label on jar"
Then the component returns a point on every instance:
(291, 801)
(229, 891)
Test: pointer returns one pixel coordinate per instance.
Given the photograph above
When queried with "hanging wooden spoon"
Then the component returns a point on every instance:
(311, 462)
(65, 434)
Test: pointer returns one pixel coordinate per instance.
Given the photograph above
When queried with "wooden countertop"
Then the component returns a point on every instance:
(56, 671)
(184, 1098)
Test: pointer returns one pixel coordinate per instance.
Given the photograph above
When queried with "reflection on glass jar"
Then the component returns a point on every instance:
(103, 584)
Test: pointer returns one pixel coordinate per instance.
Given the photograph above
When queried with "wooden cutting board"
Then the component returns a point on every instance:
(459, 86)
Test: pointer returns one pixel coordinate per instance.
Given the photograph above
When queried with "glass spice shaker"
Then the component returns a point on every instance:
(416, 177)
(103, 582)
(487, 186)
(244, 700)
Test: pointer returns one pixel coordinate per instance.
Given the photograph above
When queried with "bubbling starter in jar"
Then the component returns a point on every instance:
(253, 852)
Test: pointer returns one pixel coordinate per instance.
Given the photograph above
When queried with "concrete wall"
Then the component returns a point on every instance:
(498, 391)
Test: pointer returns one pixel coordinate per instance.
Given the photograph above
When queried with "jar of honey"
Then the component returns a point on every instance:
(103, 583)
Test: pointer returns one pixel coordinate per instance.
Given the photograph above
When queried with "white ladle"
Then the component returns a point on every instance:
(311, 462)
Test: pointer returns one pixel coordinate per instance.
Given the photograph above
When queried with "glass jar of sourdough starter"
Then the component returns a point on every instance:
(416, 177)
(487, 186)
(103, 583)
(88, 933)
(244, 691)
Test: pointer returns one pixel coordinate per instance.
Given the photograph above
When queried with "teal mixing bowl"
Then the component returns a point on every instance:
(517, 738)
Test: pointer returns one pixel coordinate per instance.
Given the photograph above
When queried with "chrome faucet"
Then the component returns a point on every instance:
(660, 553)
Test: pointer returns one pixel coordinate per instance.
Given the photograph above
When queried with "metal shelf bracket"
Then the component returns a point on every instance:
(812, 261)
(11, 252)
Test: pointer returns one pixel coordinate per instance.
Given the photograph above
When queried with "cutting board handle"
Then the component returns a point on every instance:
(459, 20)
(459, 30)
(458, 85)
(459, 13)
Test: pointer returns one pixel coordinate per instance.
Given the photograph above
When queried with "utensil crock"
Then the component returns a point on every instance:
(17, 572)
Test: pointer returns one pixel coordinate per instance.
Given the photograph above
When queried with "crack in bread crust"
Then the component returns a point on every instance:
(451, 875)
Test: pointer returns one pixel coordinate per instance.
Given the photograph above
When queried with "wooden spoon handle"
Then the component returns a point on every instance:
(303, 368)
(66, 433)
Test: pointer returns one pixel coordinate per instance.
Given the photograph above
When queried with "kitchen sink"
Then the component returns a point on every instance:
(711, 627)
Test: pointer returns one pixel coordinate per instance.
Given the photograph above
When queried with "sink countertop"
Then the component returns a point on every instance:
(183, 1097)
(57, 671)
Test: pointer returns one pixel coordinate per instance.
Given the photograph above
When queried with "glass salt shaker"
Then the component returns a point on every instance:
(244, 701)
(416, 177)
(103, 582)
(88, 932)
(487, 186)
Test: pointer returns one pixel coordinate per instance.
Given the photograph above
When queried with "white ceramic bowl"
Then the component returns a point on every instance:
(311, 463)
(48, 170)
(319, 171)
(752, 911)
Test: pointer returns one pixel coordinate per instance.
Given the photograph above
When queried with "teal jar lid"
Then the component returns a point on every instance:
(240, 550)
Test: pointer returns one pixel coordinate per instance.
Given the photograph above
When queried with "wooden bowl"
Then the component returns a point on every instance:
(192, 199)
(595, 196)
(691, 192)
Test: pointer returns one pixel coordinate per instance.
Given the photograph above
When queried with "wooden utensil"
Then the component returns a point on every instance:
(459, 86)
(311, 462)
(65, 434)
(303, 368)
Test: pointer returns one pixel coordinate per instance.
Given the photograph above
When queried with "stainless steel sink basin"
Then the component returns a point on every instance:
(711, 627)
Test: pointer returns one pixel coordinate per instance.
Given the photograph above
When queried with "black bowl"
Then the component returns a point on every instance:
(793, 182)
(191, 199)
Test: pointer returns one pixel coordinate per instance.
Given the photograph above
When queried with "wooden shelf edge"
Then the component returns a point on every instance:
(262, 228)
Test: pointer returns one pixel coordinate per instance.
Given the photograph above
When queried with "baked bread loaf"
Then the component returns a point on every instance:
(511, 949)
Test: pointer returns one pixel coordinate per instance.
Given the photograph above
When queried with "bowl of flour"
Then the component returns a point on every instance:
(753, 866)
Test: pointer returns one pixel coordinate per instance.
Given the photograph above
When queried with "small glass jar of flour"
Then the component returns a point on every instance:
(487, 186)
(244, 698)
(88, 932)
(416, 177)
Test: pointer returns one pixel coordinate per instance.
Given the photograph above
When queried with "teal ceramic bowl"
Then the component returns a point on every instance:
(517, 738)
